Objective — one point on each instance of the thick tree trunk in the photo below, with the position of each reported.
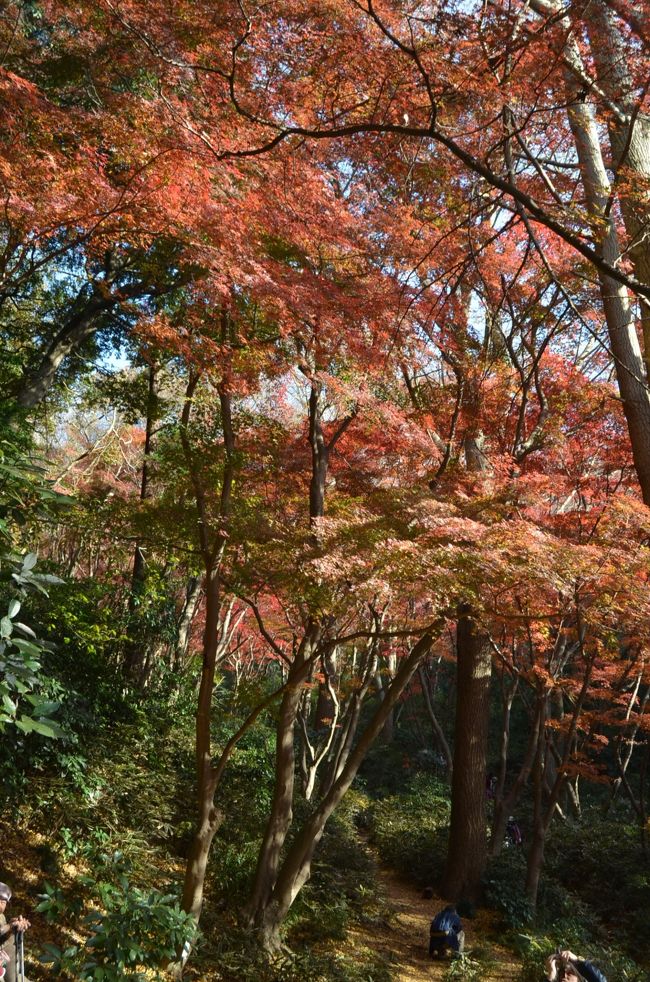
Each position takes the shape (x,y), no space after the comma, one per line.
(36,382)
(467,853)
(619,314)
(209,820)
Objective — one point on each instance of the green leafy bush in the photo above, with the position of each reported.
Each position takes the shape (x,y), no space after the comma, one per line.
(21,652)
(240,960)
(410,830)
(129,930)
(504,890)
(466,968)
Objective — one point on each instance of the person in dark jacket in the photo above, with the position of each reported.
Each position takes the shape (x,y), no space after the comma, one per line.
(564,966)
(446,932)
(513,835)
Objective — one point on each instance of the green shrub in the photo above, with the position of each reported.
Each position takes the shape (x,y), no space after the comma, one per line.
(503,885)
(129,930)
(410,830)
(239,959)
(466,968)
(596,874)
(343,887)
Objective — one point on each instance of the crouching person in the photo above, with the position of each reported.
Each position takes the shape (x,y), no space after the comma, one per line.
(564,966)
(8,931)
(446,932)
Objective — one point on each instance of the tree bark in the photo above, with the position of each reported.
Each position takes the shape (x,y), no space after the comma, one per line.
(438,731)
(184,622)
(208,817)
(467,853)
(628,359)
(135,655)
(296,868)
(319,453)
(629,137)
(388,732)
(81,325)
(281,814)
(535,858)
(619,314)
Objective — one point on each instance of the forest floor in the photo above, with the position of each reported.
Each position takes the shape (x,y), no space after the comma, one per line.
(401,938)
(404,940)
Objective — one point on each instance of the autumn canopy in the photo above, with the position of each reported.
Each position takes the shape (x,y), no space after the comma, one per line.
(325,369)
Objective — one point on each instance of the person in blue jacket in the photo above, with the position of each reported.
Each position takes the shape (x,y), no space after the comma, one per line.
(564,966)
(446,932)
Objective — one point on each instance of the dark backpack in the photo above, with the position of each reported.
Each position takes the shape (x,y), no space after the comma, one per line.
(590,973)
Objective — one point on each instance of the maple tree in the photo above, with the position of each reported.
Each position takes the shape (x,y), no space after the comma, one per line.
(384,265)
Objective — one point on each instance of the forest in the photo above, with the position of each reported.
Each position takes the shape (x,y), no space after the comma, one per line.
(324,487)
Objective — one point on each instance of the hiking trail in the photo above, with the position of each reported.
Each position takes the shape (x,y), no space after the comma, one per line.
(404,939)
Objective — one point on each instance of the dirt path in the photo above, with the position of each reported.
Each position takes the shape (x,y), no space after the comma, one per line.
(404,939)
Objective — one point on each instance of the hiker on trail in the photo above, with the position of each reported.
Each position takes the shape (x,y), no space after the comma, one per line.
(564,966)
(446,932)
(8,931)
(513,833)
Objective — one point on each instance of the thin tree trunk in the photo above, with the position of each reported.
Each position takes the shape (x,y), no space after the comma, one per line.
(296,868)
(505,805)
(135,655)
(184,623)
(388,732)
(643,817)
(281,813)
(619,314)
(544,811)
(441,739)
(623,762)
(351,719)
(208,817)
(629,137)
(319,453)
(535,858)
